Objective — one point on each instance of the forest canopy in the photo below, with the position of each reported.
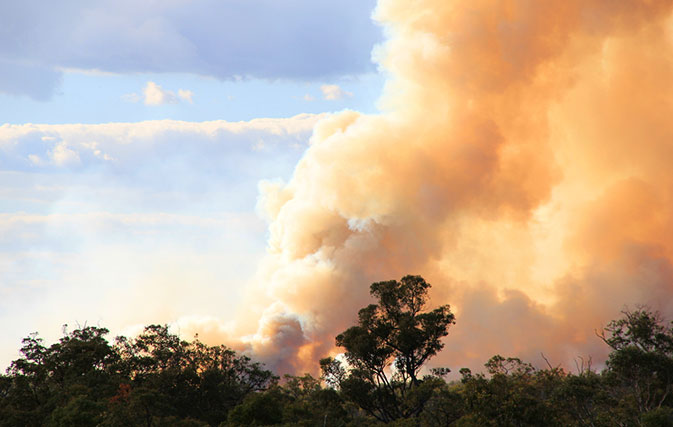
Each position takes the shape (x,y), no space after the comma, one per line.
(159,379)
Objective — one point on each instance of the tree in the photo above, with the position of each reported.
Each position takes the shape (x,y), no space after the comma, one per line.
(153,379)
(63,384)
(298,402)
(516,394)
(172,377)
(585,399)
(640,367)
(388,347)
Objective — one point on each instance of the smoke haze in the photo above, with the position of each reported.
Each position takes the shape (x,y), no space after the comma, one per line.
(521,163)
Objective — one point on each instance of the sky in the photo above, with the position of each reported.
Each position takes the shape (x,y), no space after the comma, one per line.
(133,138)
(245,169)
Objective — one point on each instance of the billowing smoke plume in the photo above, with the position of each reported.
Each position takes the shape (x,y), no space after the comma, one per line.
(521,163)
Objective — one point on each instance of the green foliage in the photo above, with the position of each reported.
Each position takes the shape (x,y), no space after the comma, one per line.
(386,349)
(259,409)
(158,379)
(300,401)
(515,394)
(80,411)
(585,400)
(660,417)
(443,408)
(640,367)
(57,383)
(154,379)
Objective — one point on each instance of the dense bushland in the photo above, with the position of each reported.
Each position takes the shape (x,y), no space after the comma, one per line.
(158,379)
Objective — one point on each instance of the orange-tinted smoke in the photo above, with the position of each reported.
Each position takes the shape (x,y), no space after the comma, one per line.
(521,163)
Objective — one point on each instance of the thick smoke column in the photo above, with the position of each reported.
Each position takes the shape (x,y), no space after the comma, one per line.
(521,164)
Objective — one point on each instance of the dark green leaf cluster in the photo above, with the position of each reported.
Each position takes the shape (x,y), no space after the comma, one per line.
(158,379)
(154,379)
(641,363)
(387,349)
(299,401)
(394,338)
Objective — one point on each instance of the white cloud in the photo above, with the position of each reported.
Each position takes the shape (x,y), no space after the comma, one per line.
(130,144)
(308,97)
(334,92)
(155,95)
(186,95)
(62,155)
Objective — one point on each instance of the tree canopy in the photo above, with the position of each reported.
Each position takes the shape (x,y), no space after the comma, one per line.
(159,379)
(148,380)
(387,348)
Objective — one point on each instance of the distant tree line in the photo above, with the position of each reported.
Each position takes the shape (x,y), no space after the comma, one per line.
(158,379)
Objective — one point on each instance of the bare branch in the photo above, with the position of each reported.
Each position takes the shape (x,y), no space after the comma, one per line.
(547,361)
